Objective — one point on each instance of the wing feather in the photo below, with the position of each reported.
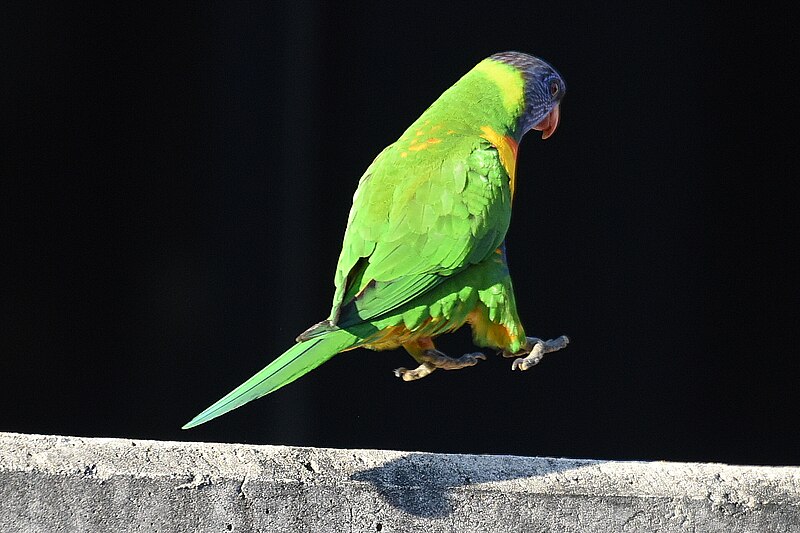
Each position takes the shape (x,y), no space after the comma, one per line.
(417,219)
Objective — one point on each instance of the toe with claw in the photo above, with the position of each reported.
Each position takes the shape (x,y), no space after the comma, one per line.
(410,375)
(431,359)
(535,350)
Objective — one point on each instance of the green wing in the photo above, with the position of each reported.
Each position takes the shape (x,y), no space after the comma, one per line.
(419,217)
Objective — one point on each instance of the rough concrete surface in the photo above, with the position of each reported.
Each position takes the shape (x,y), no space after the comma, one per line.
(52,483)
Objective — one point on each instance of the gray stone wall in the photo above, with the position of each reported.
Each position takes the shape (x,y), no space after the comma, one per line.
(52,483)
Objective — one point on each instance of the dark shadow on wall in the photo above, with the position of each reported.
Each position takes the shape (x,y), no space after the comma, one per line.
(421,484)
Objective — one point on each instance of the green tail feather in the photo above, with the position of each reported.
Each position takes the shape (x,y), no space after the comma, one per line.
(295,362)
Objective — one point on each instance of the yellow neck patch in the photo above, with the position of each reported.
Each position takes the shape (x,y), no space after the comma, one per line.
(508,79)
(507,148)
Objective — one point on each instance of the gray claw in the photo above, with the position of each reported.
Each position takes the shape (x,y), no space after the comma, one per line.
(470,359)
(536,349)
(430,360)
(410,375)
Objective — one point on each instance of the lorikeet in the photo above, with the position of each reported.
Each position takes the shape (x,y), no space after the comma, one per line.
(424,251)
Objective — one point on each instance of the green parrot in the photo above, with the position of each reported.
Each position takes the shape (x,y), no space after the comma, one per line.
(424,250)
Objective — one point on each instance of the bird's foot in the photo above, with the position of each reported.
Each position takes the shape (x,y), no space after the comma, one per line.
(535,350)
(430,360)
(440,360)
(418,373)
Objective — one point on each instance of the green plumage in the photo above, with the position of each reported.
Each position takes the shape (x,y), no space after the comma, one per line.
(421,214)
(297,361)
(455,216)
(422,252)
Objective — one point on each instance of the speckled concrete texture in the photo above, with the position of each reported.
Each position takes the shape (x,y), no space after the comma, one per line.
(52,483)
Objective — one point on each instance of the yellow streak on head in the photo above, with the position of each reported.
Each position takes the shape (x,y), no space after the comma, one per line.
(508,79)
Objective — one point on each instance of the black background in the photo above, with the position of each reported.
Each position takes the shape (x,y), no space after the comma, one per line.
(176,181)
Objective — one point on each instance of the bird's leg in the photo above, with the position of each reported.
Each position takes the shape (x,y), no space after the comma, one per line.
(429,359)
(535,350)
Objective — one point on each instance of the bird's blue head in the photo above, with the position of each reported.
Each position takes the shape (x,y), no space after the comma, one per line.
(544,89)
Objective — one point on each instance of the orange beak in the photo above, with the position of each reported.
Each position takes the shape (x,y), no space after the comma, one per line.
(549,124)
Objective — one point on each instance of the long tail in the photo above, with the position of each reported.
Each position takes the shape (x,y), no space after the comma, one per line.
(295,362)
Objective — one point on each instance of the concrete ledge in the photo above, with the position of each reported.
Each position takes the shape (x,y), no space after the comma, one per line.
(51,483)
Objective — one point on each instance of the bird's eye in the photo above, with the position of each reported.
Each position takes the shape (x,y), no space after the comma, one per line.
(554,88)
